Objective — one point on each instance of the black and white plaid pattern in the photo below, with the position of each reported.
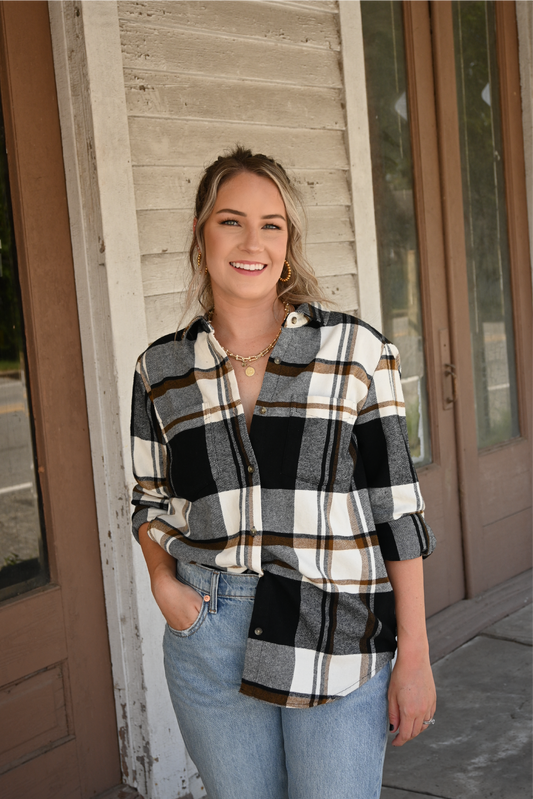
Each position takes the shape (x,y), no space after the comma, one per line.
(314,499)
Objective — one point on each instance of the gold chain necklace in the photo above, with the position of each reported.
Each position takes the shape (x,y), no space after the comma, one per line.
(249,370)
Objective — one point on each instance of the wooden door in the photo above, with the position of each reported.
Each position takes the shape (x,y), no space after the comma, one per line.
(58,735)
(412,259)
(474,470)
(439,480)
(477,87)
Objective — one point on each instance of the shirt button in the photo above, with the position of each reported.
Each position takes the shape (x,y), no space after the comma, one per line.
(258,631)
(253,530)
(277,361)
(262,410)
(251,469)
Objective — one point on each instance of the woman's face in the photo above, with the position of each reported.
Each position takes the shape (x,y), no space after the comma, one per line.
(246,239)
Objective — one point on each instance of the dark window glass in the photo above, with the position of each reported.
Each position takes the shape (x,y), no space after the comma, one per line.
(485,215)
(23,562)
(392,171)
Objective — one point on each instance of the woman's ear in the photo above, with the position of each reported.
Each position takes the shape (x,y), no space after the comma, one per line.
(195,221)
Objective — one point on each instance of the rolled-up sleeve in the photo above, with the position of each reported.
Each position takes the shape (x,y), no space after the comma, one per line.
(151,498)
(389,472)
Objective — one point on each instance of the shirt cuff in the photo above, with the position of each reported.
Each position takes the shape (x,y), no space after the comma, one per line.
(140,516)
(406,538)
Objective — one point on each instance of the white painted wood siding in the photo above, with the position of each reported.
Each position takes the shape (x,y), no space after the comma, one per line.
(202,76)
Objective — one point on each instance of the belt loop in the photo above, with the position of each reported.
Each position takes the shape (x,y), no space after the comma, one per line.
(213,602)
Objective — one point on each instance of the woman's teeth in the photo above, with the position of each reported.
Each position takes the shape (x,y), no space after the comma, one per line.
(248,267)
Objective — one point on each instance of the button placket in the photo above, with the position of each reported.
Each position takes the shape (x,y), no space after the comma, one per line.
(250,466)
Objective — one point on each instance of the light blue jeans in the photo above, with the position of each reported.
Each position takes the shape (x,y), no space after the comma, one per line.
(248,749)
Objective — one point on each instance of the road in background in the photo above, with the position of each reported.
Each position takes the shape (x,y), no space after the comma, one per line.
(19,516)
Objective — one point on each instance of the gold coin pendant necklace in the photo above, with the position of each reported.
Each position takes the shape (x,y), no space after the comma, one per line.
(245,361)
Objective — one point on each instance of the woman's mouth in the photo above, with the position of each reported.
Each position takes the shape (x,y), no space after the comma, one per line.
(248,266)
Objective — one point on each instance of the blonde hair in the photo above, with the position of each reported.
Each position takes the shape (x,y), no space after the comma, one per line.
(303,285)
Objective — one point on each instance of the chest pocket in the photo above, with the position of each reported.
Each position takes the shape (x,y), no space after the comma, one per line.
(193,467)
(318,453)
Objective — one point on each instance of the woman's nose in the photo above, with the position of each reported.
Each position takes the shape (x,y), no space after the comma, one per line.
(252,241)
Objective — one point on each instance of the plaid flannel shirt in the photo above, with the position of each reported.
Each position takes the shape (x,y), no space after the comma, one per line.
(314,499)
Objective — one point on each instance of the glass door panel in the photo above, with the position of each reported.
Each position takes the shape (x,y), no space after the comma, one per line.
(392,168)
(485,220)
(23,564)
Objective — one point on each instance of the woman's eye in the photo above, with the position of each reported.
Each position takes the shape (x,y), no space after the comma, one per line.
(235,222)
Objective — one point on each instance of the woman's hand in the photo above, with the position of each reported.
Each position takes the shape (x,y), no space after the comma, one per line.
(412,697)
(179,603)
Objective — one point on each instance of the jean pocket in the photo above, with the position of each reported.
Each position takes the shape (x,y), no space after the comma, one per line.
(197,623)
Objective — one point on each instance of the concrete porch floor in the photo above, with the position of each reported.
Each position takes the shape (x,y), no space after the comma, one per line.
(481,744)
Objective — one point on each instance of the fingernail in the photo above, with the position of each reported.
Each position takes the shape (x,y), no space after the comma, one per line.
(391,727)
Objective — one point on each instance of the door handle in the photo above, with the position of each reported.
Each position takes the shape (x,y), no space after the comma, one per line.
(449,371)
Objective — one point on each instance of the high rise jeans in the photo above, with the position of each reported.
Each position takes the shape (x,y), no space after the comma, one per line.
(248,749)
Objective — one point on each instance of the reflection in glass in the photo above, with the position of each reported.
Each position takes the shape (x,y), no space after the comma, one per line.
(487,248)
(22,558)
(392,171)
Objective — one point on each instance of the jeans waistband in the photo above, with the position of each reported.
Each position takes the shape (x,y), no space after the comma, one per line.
(213,582)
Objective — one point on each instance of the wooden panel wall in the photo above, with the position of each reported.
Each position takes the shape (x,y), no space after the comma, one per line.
(202,76)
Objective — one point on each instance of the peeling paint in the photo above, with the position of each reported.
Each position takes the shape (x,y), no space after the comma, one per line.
(124,741)
(146,761)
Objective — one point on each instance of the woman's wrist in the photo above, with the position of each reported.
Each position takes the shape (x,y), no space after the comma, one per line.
(413,649)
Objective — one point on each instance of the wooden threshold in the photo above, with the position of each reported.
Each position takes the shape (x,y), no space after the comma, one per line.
(457,624)
(125,792)
(120,792)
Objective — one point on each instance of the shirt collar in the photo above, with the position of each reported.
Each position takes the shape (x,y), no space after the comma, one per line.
(306,313)
(313,314)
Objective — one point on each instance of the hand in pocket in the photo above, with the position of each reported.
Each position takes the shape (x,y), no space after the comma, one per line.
(179,603)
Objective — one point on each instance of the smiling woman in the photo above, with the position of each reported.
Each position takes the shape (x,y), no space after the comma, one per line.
(277,507)
(302,285)
(244,258)
(252,244)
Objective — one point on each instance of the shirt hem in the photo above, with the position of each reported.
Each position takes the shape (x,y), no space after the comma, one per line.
(275,696)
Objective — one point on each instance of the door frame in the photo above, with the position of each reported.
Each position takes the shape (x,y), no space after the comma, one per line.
(73,602)
(444,577)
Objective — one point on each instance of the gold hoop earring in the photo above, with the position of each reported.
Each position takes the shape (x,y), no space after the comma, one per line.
(199,261)
(286,279)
